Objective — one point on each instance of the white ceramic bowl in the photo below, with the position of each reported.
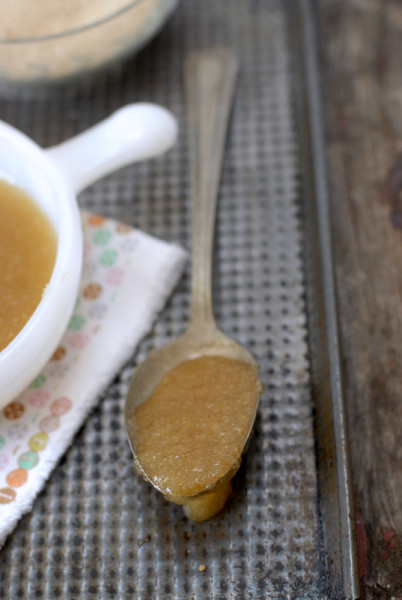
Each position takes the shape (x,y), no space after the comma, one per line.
(53,178)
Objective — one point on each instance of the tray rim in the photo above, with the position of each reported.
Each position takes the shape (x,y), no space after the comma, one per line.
(341,561)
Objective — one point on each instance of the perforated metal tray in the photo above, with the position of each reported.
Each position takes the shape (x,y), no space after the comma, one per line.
(98,530)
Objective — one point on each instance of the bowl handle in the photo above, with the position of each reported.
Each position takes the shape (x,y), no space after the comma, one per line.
(133,133)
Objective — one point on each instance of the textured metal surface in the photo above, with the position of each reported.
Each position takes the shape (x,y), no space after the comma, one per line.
(97,530)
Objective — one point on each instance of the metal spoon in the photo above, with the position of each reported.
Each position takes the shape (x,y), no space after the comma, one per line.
(210,78)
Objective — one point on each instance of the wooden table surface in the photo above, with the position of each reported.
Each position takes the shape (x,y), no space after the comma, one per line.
(361,60)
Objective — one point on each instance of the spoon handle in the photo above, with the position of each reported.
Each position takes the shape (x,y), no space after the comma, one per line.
(209,77)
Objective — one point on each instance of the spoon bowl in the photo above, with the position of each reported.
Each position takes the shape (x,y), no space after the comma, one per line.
(195,342)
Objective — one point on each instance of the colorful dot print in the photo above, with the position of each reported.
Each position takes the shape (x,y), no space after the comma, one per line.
(39,398)
(60,406)
(77,322)
(4,460)
(18,429)
(38,382)
(98,311)
(92,291)
(90,271)
(129,245)
(123,229)
(28,460)
(58,354)
(108,257)
(50,423)
(87,249)
(96,220)
(58,370)
(80,340)
(17,477)
(115,276)
(7,495)
(14,410)
(102,237)
(38,442)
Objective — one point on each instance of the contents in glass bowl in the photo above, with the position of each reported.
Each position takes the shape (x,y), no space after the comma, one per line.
(49,40)
(22,19)
(190,434)
(28,246)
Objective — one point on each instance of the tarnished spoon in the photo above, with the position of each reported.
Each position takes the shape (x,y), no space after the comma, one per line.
(209,79)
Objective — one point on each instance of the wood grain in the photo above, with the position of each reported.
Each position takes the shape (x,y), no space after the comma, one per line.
(361,61)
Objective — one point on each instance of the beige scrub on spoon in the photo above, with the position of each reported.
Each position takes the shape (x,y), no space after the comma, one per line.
(192,404)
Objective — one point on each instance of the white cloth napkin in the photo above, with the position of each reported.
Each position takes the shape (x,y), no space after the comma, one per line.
(127,277)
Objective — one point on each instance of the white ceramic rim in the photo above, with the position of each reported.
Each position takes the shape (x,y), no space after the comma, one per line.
(40,336)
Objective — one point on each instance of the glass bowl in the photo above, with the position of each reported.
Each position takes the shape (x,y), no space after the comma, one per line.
(51,41)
